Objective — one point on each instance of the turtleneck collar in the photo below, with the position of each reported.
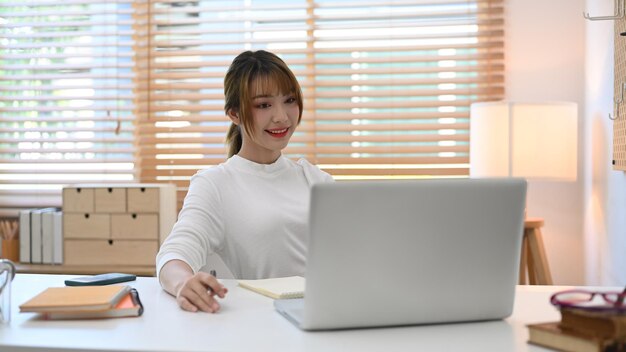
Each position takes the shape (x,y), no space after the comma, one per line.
(250,166)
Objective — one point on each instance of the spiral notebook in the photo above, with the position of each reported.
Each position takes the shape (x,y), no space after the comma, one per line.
(277,288)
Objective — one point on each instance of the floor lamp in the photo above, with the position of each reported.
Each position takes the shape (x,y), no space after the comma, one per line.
(536,141)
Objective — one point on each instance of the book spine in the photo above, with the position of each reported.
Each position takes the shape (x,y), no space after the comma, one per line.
(47,237)
(36,245)
(57,233)
(25,236)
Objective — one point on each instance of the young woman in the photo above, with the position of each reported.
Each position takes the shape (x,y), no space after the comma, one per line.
(252,209)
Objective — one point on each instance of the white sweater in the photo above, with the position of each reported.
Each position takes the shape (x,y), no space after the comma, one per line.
(253,215)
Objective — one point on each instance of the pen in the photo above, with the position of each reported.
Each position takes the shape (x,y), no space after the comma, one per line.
(214,274)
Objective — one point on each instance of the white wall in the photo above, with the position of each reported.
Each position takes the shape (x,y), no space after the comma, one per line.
(605,189)
(552,53)
(545,61)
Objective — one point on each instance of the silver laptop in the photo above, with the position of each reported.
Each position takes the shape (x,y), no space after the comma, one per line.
(385,253)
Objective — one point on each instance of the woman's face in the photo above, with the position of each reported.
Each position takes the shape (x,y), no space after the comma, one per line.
(275,117)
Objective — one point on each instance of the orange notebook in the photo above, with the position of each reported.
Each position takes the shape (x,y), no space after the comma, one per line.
(70,298)
(128,306)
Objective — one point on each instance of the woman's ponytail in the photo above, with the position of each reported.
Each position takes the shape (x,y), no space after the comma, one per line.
(233,139)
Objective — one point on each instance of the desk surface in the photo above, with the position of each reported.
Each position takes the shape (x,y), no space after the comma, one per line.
(247,321)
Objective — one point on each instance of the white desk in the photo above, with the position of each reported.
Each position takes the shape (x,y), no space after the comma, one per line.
(247,321)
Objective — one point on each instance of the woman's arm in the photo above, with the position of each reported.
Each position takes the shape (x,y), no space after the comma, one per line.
(193,292)
(197,233)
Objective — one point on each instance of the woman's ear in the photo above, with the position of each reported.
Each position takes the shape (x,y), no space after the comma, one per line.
(234,116)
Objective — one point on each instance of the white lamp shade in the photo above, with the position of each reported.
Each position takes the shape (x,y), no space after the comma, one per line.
(531,140)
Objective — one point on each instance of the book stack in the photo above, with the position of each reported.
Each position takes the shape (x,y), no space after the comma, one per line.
(41,236)
(581,330)
(85,302)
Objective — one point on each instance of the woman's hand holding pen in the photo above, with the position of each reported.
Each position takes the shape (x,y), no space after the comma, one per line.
(198,293)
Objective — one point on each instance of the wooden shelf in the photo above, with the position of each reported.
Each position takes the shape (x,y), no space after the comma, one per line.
(84,269)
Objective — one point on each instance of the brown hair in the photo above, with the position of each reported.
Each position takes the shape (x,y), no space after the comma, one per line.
(268,73)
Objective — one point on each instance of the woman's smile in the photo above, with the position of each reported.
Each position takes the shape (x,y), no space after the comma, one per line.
(278,132)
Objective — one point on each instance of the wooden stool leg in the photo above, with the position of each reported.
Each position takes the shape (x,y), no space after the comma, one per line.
(538,257)
(523,260)
(531,258)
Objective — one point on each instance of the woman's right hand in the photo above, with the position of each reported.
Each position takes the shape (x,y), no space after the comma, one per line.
(199,292)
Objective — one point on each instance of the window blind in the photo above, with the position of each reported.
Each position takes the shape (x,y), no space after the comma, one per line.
(131,90)
(66,97)
(387,84)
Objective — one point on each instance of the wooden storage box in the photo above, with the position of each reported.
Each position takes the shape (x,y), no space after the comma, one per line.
(110,252)
(78,199)
(110,200)
(134,226)
(143,200)
(86,225)
(118,225)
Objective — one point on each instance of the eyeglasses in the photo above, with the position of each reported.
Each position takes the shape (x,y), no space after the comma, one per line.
(590,300)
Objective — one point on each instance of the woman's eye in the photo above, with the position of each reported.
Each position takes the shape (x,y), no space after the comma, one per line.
(263,105)
(290,100)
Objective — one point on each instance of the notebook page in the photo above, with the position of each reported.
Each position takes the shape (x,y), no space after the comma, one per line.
(277,288)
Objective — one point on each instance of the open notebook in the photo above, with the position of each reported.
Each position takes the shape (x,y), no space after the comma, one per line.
(277,288)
